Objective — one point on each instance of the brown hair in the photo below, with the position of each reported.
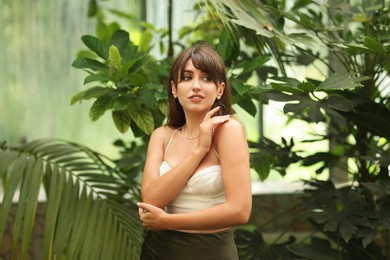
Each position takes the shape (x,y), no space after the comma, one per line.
(206,59)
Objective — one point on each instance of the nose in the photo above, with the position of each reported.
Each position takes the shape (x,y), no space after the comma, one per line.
(196,84)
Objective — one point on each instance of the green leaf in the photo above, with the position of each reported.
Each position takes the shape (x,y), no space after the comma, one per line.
(142,117)
(137,79)
(115,57)
(122,120)
(355,49)
(22,199)
(241,88)
(57,181)
(146,39)
(373,117)
(34,177)
(130,54)
(94,92)
(78,230)
(285,88)
(255,63)
(251,245)
(120,39)
(347,230)
(310,107)
(65,219)
(307,86)
(379,186)
(361,18)
(14,179)
(97,77)
(314,252)
(121,102)
(92,230)
(126,67)
(78,97)
(6,158)
(248,105)
(337,102)
(245,20)
(386,66)
(99,107)
(301,4)
(262,164)
(87,63)
(141,62)
(276,96)
(96,45)
(225,44)
(336,118)
(307,22)
(339,81)
(374,45)
(92,8)
(368,237)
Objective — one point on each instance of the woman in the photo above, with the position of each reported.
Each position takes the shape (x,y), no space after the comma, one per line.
(196,181)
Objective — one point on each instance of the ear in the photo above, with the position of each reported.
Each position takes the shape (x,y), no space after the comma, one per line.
(173,87)
(221,89)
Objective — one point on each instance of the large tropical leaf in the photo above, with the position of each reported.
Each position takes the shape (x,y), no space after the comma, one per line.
(251,245)
(90,212)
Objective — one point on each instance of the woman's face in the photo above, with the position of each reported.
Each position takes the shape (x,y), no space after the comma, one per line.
(196,91)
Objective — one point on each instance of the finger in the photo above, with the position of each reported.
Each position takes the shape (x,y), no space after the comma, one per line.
(216,121)
(144,206)
(211,113)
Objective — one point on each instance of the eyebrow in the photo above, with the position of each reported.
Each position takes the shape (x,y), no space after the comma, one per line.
(191,71)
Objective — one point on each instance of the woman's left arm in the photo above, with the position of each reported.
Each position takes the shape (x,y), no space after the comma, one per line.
(232,147)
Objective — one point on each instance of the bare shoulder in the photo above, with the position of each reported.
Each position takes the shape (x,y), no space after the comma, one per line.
(231,136)
(162,134)
(231,129)
(163,131)
(233,125)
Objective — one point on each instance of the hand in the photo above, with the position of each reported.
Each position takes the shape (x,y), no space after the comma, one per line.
(151,216)
(207,128)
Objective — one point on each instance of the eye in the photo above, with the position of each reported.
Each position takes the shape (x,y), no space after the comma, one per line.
(186,77)
(207,78)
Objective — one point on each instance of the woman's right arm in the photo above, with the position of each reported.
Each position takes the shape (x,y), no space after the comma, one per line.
(161,190)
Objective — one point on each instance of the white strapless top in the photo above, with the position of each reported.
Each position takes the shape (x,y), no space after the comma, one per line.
(203,190)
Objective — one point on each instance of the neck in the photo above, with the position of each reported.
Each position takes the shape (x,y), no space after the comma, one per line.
(193,120)
(188,133)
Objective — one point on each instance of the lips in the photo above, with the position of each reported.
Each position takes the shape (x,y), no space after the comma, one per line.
(196,97)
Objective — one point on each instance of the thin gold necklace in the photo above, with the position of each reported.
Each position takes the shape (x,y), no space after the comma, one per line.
(188,137)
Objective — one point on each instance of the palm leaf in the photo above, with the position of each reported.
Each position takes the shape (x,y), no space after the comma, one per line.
(87,214)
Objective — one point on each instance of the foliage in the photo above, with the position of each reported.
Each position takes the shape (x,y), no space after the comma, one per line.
(350,96)
(129,82)
(251,245)
(350,216)
(90,207)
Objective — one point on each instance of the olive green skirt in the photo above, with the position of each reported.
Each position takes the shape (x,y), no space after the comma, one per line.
(176,245)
